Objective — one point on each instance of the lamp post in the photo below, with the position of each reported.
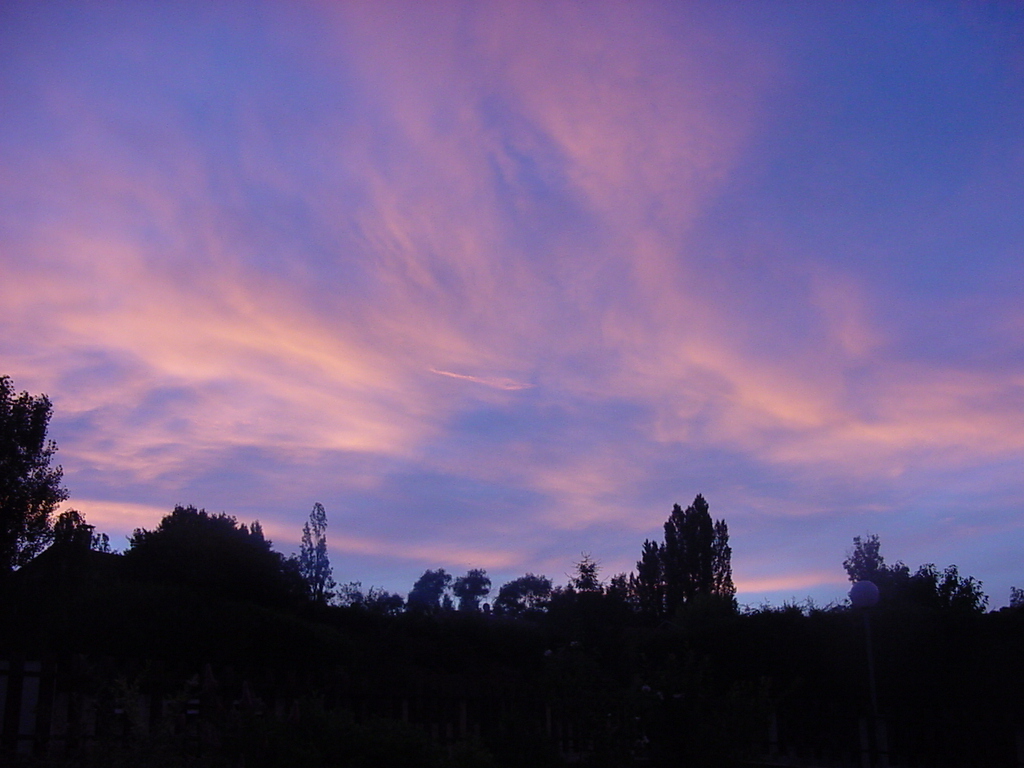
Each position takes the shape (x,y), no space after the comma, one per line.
(864,596)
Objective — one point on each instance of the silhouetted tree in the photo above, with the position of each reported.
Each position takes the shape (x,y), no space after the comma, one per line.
(865,562)
(619,589)
(71,530)
(1016,597)
(648,583)
(375,600)
(471,588)
(721,563)
(947,590)
(214,554)
(527,593)
(379,600)
(314,565)
(350,594)
(927,587)
(696,558)
(429,590)
(30,488)
(586,578)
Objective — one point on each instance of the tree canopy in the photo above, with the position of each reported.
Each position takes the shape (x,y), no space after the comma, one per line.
(471,588)
(927,587)
(429,590)
(587,578)
(697,559)
(526,593)
(694,560)
(214,554)
(72,530)
(314,564)
(30,487)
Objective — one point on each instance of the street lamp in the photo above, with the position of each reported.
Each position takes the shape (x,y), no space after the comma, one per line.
(864,596)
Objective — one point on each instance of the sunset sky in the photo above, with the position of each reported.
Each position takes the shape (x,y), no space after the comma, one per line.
(498,283)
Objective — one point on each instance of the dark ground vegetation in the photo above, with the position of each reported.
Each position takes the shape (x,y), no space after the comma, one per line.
(203,646)
(279,679)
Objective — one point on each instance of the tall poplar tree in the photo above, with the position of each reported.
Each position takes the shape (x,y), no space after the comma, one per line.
(694,560)
(314,564)
(721,562)
(648,583)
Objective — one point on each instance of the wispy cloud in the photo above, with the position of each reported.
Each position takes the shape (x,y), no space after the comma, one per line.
(497,382)
(241,265)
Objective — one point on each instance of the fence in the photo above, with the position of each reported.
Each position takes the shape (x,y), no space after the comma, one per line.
(66,707)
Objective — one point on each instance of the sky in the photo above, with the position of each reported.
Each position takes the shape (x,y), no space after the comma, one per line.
(499,283)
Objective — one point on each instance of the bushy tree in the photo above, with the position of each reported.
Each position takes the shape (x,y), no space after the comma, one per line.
(314,564)
(71,530)
(865,562)
(927,587)
(379,600)
(374,600)
(214,555)
(947,589)
(527,593)
(350,594)
(471,588)
(30,488)
(428,593)
(1016,597)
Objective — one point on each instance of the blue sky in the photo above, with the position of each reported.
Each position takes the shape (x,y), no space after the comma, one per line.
(500,284)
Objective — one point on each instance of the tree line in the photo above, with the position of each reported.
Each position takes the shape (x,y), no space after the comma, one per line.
(692,563)
(658,666)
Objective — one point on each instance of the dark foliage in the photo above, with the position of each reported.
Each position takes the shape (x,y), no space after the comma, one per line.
(72,530)
(471,589)
(648,583)
(214,555)
(314,564)
(926,588)
(587,577)
(696,557)
(656,669)
(694,563)
(428,593)
(529,593)
(586,680)
(375,599)
(30,488)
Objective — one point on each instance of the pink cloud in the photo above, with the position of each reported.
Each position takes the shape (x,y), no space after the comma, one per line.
(505,196)
(796,582)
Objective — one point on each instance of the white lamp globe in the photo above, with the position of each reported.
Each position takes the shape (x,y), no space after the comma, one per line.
(864,594)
